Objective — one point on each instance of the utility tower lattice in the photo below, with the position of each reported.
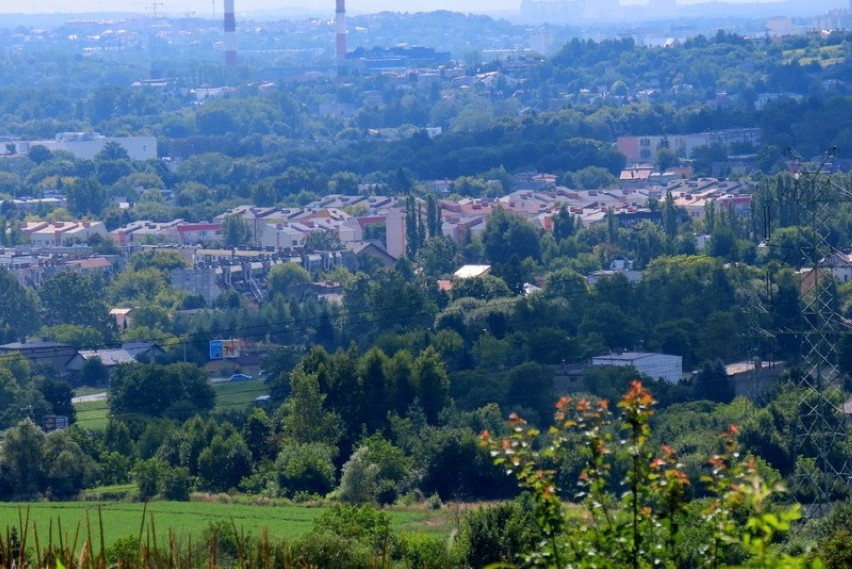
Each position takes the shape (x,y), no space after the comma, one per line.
(820,426)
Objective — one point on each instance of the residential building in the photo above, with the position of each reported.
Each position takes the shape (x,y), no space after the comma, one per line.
(145,231)
(110,358)
(199,233)
(49,355)
(144,352)
(281,237)
(122,317)
(62,233)
(643,149)
(472,271)
(202,281)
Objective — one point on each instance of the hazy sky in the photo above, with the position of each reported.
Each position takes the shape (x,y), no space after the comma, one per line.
(207,7)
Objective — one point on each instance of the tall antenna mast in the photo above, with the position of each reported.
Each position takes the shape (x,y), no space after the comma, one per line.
(820,425)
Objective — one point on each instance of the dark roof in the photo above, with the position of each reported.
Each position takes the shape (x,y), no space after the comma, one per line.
(37,345)
(136,348)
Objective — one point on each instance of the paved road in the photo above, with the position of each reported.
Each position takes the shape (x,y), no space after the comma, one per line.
(93,397)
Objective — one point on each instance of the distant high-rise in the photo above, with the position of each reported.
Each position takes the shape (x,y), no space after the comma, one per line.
(340,23)
(230,34)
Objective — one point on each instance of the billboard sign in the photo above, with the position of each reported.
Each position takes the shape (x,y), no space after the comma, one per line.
(224,349)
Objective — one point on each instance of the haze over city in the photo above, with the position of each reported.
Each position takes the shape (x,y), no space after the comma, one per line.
(204,7)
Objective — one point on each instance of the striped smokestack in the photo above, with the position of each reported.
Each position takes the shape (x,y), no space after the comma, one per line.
(230,34)
(340,21)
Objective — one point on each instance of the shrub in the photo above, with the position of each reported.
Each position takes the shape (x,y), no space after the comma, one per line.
(640,527)
(124,552)
(422,552)
(324,549)
(358,481)
(363,523)
(175,483)
(305,468)
(497,534)
(146,473)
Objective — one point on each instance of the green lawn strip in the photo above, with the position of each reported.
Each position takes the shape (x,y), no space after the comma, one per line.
(238,394)
(184,519)
(92,414)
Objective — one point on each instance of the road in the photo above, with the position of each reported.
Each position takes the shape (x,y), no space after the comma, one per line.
(87,398)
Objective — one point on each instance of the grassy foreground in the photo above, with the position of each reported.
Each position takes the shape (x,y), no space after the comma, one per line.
(185,519)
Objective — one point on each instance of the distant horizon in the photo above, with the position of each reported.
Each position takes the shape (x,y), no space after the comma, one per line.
(210,8)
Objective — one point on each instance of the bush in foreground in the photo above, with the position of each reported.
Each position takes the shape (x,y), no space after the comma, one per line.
(643,526)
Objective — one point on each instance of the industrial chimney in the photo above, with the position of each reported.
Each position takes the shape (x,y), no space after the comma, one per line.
(230,34)
(340,21)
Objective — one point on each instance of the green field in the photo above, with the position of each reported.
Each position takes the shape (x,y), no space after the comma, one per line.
(826,55)
(238,395)
(229,396)
(92,414)
(187,519)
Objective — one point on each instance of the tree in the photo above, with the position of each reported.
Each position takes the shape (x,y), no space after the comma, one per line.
(485,287)
(358,479)
(593,178)
(147,475)
(164,260)
(225,462)
(86,196)
(433,217)
(174,484)
(665,158)
(257,434)
(413,222)
(57,393)
(432,382)
(109,172)
(323,240)
(712,383)
(69,298)
(564,224)
(67,468)
(303,416)
(285,278)
(345,183)
(506,235)
(18,309)
(235,231)
(439,256)
(305,469)
(175,390)
(39,154)
(112,150)
(94,372)
(497,534)
(23,459)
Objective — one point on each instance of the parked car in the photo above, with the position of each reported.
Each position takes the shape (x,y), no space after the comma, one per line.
(241,377)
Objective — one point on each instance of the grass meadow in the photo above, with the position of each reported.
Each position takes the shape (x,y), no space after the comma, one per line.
(187,520)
